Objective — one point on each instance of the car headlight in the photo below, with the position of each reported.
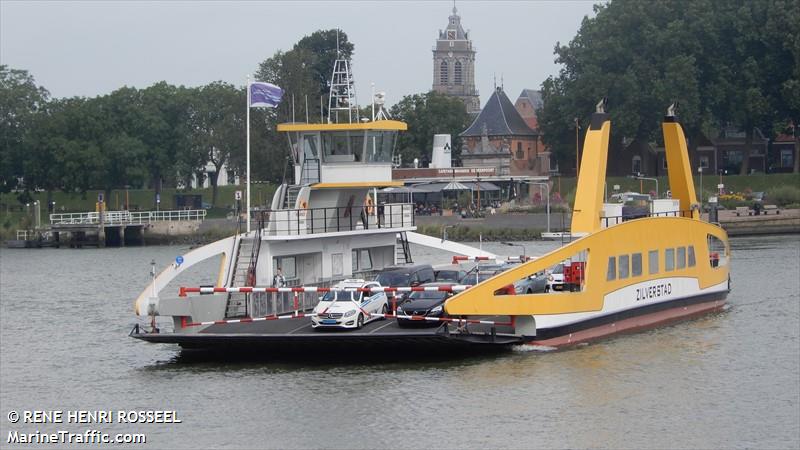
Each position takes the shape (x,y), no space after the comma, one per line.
(550,278)
(350,313)
(436,310)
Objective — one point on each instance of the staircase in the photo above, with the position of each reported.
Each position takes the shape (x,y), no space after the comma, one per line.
(402,249)
(291,196)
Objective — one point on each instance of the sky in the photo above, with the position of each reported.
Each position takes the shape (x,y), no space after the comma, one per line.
(89,48)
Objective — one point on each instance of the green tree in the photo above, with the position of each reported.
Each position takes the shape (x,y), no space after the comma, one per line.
(428,114)
(217,120)
(20,100)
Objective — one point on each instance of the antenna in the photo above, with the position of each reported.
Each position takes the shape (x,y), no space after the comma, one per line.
(494,75)
(337,43)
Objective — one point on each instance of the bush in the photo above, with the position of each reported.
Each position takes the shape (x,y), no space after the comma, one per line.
(783,195)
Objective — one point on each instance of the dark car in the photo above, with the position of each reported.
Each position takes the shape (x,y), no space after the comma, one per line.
(424,303)
(402,276)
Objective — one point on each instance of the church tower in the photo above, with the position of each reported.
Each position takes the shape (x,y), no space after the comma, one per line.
(454,64)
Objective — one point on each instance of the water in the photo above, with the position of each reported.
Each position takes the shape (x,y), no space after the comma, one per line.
(726,380)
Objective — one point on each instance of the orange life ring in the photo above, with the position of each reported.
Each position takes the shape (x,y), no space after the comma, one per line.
(369,205)
(303,204)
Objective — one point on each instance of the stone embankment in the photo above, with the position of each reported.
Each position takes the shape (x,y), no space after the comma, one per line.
(787,221)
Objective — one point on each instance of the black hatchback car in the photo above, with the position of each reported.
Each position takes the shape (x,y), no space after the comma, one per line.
(424,303)
(402,276)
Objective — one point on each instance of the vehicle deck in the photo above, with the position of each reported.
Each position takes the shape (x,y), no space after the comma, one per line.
(294,333)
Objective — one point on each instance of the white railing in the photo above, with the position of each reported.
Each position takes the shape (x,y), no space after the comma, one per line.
(126,217)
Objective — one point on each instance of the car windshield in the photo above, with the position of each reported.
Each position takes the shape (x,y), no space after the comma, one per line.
(393,279)
(341,296)
(482,276)
(559,269)
(428,295)
(447,275)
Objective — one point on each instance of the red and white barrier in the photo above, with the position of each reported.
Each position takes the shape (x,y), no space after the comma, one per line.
(461,258)
(247,320)
(458,258)
(457,321)
(316,289)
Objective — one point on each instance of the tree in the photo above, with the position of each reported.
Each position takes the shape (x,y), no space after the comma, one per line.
(305,72)
(217,121)
(20,100)
(428,114)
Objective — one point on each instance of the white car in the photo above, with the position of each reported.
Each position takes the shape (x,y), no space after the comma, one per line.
(555,281)
(342,308)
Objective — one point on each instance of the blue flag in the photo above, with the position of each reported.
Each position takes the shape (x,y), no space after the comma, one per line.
(264,95)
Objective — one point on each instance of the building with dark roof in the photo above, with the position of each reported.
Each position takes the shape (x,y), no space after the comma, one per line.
(499,137)
(528,102)
(454,64)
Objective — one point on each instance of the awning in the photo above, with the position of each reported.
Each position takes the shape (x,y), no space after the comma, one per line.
(455,186)
(466,186)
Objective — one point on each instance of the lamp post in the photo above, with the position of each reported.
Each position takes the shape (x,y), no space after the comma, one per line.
(639,176)
(577,148)
(700,171)
(547,185)
(721,186)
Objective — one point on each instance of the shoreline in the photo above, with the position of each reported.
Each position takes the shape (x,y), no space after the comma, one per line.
(500,227)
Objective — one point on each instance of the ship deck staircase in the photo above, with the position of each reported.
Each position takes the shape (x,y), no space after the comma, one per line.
(402,249)
(290,198)
(244,271)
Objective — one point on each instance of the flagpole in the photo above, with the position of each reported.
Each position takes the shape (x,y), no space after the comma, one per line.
(248,153)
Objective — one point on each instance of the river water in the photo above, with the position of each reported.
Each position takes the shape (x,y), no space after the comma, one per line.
(730,379)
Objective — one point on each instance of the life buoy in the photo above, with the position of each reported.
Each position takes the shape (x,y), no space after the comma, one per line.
(369,206)
(303,204)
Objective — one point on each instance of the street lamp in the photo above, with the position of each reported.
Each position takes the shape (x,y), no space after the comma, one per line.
(720,185)
(547,185)
(639,176)
(700,171)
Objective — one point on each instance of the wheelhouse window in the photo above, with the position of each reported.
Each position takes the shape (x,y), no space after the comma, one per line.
(379,146)
(652,262)
(624,266)
(669,259)
(636,264)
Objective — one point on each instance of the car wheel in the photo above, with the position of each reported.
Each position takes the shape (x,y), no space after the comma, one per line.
(529,291)
(385,309)
(360,321)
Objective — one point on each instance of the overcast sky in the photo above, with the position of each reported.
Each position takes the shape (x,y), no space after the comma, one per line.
(90,48)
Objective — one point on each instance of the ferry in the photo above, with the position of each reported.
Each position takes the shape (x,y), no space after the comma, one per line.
(620,273)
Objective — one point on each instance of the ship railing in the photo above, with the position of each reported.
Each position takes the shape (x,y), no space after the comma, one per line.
(294,222)
(616,220)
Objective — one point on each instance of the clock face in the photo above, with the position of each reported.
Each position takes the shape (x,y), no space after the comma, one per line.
(451,34)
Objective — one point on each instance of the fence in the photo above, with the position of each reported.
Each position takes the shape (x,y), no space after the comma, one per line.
(126,217)
(338,219)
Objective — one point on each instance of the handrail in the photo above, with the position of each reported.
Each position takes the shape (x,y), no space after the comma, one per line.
(339,218)
(126,217)
(615,220)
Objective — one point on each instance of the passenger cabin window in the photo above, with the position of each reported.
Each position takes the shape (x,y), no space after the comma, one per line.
(624,266)
(681,261)
(692,261)
(653,261)
(611,275)
(669,259)
(717,252)
(636,264)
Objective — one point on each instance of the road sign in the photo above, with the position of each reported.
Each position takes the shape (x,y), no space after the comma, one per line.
(179,260)
(100,197)
(158,198)
(238,195)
